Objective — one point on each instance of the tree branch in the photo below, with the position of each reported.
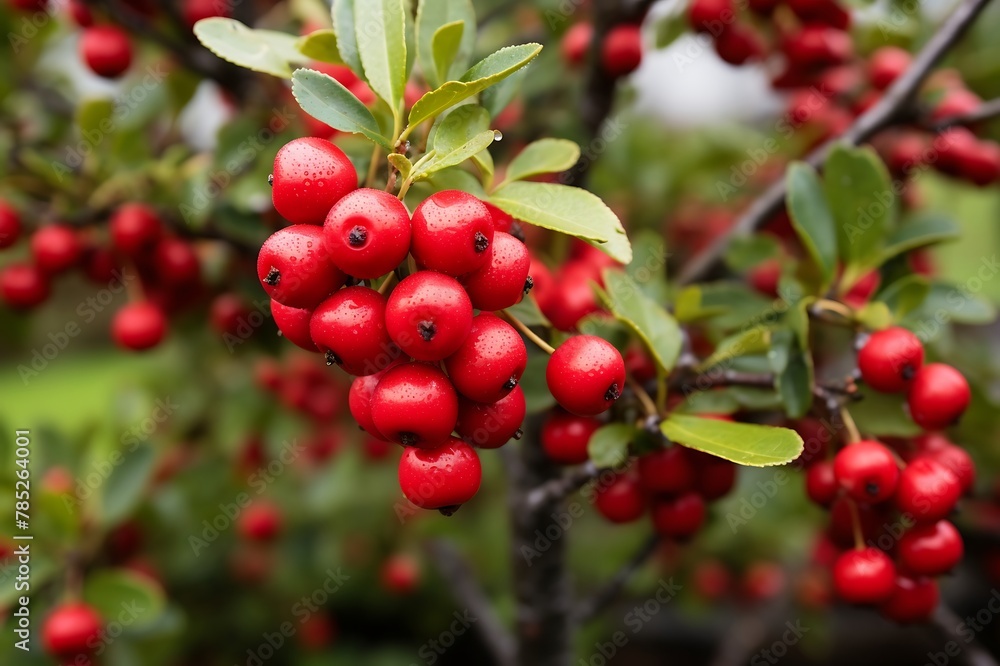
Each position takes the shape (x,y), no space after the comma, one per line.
(892,106)
(949,623)
(559,488)
(590,608)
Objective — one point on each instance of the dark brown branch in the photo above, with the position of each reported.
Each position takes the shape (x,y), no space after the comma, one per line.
(949,624)
(986,111)
(563,486)
(590,608)
(894,105)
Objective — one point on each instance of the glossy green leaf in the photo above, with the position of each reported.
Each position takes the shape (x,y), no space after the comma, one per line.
(347,38)
(874,316)
(859,192)
(543,156)
(905,295)
(741,443)
(812,220)
(747,252)
(608,446)
(321,45)
(125,487)
(528,312)
(326,99)
(455,155)
(401,164)
(755,340)
(883,415)
(949,304)
(793,371)
(536,390)
(922,231)
(121,594)
(657,329)
(432,15)
(266,51)
(445,45)
(380,26)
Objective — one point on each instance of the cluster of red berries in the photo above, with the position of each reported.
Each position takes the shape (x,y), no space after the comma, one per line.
(620,53)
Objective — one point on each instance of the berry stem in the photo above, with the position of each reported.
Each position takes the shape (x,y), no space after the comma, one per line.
(373,166)
(853,435)
(528,333)
(386,285)
(662,388)
(859,539)
(826,305)
(647,402)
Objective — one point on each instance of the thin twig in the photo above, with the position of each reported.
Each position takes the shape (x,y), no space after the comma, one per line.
(527,332)
(590,608)
(561,487)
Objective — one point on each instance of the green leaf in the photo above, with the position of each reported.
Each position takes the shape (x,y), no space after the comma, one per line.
(125,487)
(326,99)
(498,97)
(445,44)
(655,327)
(756,340)
(922,231)
(266,51)
(905,295)
(568,210)
(608,446)
(947,303)
(741,443)
(347,39)
(92,113)
(381,32)
(401,164)
(482,75)
(812,220)
(874,315)
(793,371)
(883,415)
(320,45)
(432,15)
(536,390)
(462,134)
(455,155)
(118,594)
(543,156)
(859,192)
(747,252)
(528,312)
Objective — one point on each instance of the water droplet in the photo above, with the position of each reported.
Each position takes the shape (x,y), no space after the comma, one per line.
(497,135)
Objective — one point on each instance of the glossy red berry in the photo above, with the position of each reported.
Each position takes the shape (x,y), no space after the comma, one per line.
(56,248)
(824,12)
(867,471)
(134,229)
(415,404)
(739,43)
(864,576)
(261,521)
(107,50)
(565,437)
(367,233)
(886,65)
(400,574)
(441,478)
(927,490)
(490,362)
(29,5)
(818,46)
(958,461)
(491,426)
(571,298)
(452,233)
(912,600)
(938,396)
(349,327)
(227,314)
(176,262)
(193,11)
(295,269)
(821,483)
(576,42)
(670,471)
(621,500)
(956,102)
(293,323)
(678,517)
(359,401)
(23,286)
(585,375)
(310,176)
(890,359)
(138,326)
(621,52)
(503,281)
(931,549)
(710,15)
(10,225)
(429,315)
(72,629)
(714,477)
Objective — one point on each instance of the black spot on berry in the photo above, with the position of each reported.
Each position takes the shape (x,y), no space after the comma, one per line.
(448,511)
(510,383)
(270,179)
(518,434)
(357,236)
(613,392)
(331,358)
(908,372)
(273,277)
(871,488)
(482,242)
(427,330)
(408,438)
(528,284)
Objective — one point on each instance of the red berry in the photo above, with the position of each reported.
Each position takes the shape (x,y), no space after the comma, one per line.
(585,375)
(958,461)
(890,359)
(491,426)
(565,437)
(310,175)
(176,262)
(29,5)
(927,490)
(490,362)
(864,576)
(261,521)
(826,12)
(452,233)
(56,248)
(503,281)
(714,477)
(415,404)
(227,313)
(571,298)
(669,470)
(738,44)
(932,549)
(429,315)
(622,500)
(912,600)
(938,396)
(349,327)
(80,13)
(886,65)
(193,11)
(818,46)
(294,325)
(72,629)
(23,286)
(294,268)
(134,229)
(441,478)
(710,15)
(107,50)
(867,471)
(621,52)
(138,326)
(400,574)
(907,152)
(359,401)
(10,225)
(367,233)
(958,102)
(576,43)
(765,276)
(821,483)
(678,517)
(501,221)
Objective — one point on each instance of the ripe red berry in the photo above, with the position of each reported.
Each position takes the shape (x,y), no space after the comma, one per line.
(867,471)
(826,12)
(927,490)
(503,281)
(56,248)
(818,46)
(621,52)
(71,629)
(134,229)
(576,42)
(710,15)
(490,362)
(621,500)
(400,574)
(585,375)
(678,517)
(367,233)
(193,11)
(958,461)
(670,470)
(310,175)
(491,426)
(931,550)
(293,323)
(80,13)
(359,401)
(10,225)
(415,404)
(938,396)
(429,315)
(261,521)
(565,437)
(571,298)
(23,286)
(714,477)
(29,5)
(176,262)
(890,359)
(887,64)
(738,44)
(452,233)
(349,327)
(295,269)
(227,313)
(821,483)
(441,478)
(912,600)
(107,50)
(138,326)
(957,102)
(864,576)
